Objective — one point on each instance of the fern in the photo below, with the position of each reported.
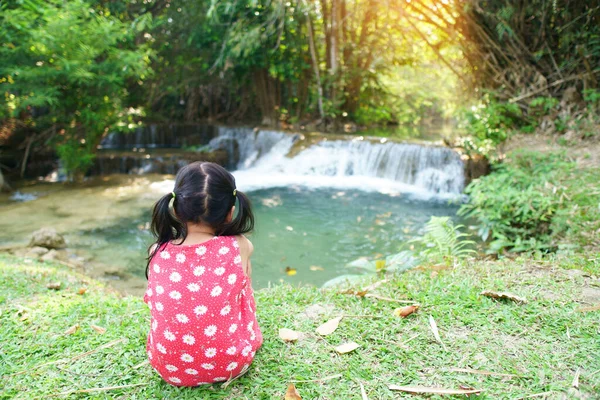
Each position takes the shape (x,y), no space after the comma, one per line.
(443,241)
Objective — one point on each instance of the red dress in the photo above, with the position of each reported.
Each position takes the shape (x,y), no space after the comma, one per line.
(203,325)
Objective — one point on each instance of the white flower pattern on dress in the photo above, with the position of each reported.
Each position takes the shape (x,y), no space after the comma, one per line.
(188,339)
(211,352)
(199,270)
(224,250)
(225,310)
(200,305)
(217,290)
(187,358)
(210,330)
(182,318)
(200,310)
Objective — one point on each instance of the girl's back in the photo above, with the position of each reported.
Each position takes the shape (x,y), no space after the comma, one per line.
(203,327)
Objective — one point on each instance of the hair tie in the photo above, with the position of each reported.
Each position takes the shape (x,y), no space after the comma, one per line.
(234,192)
(173,193)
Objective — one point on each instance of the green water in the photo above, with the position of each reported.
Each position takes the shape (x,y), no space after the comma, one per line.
(314,232)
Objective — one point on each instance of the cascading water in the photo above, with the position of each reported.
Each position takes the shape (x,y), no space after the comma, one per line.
(261,159)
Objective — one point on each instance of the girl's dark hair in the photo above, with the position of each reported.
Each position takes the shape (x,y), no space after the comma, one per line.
(204,192)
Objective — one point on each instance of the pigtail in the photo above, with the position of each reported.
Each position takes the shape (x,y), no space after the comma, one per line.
(243,221)
(165,227)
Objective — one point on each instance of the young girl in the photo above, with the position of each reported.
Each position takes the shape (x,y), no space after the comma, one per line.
(203,325)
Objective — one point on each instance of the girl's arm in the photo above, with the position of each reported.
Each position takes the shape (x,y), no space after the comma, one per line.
(246,250)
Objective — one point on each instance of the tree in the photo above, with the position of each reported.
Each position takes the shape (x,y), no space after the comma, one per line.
(65,72)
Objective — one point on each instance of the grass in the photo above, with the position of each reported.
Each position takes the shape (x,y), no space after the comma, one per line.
(544,342)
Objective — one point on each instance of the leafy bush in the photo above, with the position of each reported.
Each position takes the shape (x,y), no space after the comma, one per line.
(488,124)
(517,205)
(443,241)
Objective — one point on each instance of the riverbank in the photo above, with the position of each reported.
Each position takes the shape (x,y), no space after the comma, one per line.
(54,344)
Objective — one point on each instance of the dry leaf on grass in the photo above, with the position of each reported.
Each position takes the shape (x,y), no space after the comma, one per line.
(82,291)
(433,390)
(503,296)
(588,309)
(288,335)
(406,311)
(72,330)
(53,285)
(329,327)
(436,332)
(98,329)
(292,393)
(347,347)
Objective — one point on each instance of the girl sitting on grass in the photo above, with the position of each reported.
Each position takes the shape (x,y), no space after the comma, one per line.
(203,325)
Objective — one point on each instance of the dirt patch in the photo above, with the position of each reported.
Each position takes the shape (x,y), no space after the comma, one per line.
(586,152)
(591,295)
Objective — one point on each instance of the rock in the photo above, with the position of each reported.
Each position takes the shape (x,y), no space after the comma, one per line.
(51,255)
(48,238)
(32,252)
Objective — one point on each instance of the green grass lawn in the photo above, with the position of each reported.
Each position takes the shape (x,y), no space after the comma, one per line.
(545,343)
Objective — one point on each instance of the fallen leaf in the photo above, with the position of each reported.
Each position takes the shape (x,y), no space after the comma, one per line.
(347,347)
(591,308)
(316,268)
(82,291)
(291,271)
(53,285)
(329,327)
(436,332)
(98,329)
(292,393)
(503,296)
(358,293)
(406,311)
(71,330)
(433,390)
(289,228)
(363,393)
(288,335)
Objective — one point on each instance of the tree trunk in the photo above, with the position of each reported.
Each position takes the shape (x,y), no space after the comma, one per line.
(315,63)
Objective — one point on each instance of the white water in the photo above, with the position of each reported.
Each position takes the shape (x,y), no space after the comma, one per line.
(262,162)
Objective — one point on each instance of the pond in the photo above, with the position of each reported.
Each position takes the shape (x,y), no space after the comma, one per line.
(315,212)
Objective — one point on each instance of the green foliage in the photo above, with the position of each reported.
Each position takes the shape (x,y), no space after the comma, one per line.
(517,205)
(443,241)
(488,124)
(68,65)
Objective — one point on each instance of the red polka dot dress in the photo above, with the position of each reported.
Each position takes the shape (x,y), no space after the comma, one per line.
(203,325)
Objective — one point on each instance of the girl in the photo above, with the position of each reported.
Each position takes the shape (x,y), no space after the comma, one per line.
(203,325)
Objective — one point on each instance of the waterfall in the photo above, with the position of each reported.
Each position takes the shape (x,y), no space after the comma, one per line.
(261,159)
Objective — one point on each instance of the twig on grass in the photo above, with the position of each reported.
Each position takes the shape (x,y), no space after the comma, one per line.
(481,372)
(75,373)
(378,297)
(327,378)
(531,396)
(100,389)
(224,386)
